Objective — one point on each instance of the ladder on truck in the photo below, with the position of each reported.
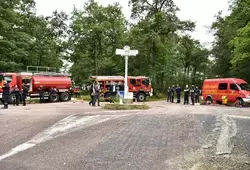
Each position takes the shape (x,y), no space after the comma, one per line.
(45,71)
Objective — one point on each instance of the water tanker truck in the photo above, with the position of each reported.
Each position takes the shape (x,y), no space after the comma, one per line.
(34,81)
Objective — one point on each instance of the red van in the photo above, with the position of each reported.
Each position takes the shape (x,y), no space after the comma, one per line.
(234,88)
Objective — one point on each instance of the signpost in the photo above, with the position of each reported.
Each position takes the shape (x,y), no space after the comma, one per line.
(126,52)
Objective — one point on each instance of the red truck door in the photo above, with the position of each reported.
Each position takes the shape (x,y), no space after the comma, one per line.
(233,92)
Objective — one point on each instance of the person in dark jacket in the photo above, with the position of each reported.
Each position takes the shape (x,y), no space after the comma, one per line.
(169,94)
(16,92)
(172,94)
(197,95)
(178,94)
(112,91)
(96,91)
(186,95)
(41,94)
(6,93)
(24,94)
(192,93)
(91,94)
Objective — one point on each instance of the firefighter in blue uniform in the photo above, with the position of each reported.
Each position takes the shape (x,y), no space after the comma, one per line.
(169,94)
(16,92)
(6,93)
(172,94)
(186,95)
(197,95)
(178,94)
(192,93)
(24,94)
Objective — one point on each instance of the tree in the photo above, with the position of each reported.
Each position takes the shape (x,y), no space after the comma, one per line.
(241,54)
(155,35)
(96,32)
(27,39)
(14,41)
(225,30)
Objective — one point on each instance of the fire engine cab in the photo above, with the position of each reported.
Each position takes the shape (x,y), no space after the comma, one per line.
(140,86)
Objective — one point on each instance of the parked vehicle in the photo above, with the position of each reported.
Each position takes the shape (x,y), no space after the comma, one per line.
(140,86)
(61,82)
(233,88)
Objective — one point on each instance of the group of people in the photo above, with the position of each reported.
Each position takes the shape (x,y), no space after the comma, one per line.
(18,95)
(193,92)
(95,92)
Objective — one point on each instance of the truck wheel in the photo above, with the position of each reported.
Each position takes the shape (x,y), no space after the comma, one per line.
(241,102)
(141,97)
(54,97)
(64,96)
(11,98)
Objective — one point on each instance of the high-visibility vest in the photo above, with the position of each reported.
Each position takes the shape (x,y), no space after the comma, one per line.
(224,99)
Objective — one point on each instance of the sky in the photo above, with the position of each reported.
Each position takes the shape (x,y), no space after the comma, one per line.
(200,11)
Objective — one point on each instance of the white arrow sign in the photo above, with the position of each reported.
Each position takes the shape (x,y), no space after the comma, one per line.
(126,53)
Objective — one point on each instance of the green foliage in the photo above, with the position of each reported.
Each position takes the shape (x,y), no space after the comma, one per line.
(166,53)
(232,41)
(96,33)
(126,107)
(241,54)
(27,39)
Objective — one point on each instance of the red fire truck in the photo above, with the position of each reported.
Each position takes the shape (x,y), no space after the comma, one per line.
(61,82)
(139,85)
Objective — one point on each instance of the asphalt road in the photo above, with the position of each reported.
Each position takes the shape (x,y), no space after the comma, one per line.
(75,136)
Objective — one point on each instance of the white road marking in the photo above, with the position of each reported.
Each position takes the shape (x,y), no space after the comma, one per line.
(64,126)
(239,117)
(228,130)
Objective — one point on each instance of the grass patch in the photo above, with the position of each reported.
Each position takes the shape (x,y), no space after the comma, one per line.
(126,107)
(88,98)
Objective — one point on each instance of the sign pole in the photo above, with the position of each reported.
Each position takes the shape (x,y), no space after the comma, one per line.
(126,77)
(126,52)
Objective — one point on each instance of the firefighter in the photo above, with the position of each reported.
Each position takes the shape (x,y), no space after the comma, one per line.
(192,93)
(197,95)
(169,94)
(186,95)
(91,94)
(112,92)
(41,94)
(97,93)
(53,91)
(6,92)
(24,94)
(16,92)
(172,94)
(178,93)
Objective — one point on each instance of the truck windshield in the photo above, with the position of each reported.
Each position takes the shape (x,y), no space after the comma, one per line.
(146,82)
(244,86)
